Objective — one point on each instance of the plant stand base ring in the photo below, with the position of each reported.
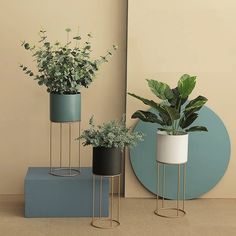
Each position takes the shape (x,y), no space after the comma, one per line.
(178,212)
(110,223)
(71,172)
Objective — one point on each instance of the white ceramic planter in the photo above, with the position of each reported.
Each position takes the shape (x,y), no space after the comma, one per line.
(172,149)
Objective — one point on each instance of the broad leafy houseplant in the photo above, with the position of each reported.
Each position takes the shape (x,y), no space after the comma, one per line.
(108,140)
(175,114)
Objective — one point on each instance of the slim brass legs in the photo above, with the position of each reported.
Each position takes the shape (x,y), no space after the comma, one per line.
(97,220)
(65,171)
(167,211)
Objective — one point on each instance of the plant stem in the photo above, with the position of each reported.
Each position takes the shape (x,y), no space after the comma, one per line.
(77,41)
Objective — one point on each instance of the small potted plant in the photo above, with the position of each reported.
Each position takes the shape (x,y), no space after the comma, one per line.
(108,141)
(175,114)
(64,69)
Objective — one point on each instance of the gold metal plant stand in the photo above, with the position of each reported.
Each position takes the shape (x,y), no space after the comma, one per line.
(64,171)
(174,212)
(110,221)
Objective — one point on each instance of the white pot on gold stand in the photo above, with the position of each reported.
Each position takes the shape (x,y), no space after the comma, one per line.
(171,150)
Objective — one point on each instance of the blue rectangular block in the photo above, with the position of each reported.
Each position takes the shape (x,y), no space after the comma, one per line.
(51,196)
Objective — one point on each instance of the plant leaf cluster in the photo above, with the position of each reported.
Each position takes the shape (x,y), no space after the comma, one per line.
(63,69)
(113,134)
(175,113)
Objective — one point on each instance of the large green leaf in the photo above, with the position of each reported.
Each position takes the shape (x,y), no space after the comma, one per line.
(165,117)
(161,90)
(186,85)
(162,112)
(147,116)
(196,103)
(187,121)
(173,113)
(196,128)
(177,101)
(150,103)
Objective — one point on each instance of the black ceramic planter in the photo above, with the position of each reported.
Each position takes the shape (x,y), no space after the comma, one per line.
(65,107)
(106,161)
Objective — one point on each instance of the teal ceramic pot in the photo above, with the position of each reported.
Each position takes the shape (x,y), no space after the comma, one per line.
(65,107)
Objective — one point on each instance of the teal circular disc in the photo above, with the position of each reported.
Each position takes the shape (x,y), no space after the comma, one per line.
(208,159)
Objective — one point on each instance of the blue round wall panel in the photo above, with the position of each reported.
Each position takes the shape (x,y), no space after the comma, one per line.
(209,154)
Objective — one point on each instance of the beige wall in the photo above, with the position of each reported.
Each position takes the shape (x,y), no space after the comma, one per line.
(169,38)
(24,117)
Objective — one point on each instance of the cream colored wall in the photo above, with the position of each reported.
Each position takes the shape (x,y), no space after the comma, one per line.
(24,117)
(169,38)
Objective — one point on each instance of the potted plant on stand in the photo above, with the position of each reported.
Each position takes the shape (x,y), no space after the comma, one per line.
(108,141)
(64,69)
(175,114)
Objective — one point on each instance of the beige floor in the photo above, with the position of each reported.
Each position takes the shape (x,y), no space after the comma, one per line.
(212,217)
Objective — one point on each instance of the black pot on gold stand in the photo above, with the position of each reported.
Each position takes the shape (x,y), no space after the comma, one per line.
(106,164)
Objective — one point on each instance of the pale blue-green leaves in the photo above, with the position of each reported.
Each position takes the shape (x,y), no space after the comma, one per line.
(113,134)
(63,68)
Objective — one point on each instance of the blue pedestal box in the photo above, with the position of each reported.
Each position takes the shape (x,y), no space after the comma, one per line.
(51,196)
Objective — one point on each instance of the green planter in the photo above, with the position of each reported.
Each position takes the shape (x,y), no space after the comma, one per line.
(65,107)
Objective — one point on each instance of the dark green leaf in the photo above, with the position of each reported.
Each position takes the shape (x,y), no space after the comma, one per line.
(187,121)
(173,113)
(196,128)
(186,85)
(40,82)
(196,103)
(162,112)
(177,100)
(160,89)
(165,117)
(150,103)
(147,116)
(77,38)
(47,44)
(27,46)
(88,47)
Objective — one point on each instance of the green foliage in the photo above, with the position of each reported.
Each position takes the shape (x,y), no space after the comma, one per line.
(160,89)
(62,68)
(186,85)
(111,134)
(173,114)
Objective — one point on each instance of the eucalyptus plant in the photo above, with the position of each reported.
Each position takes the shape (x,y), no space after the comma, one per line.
(113,134)
(64,68)
(175,113)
